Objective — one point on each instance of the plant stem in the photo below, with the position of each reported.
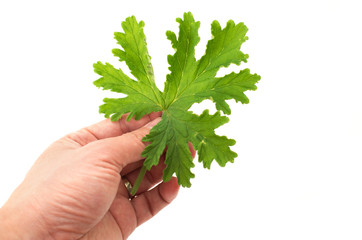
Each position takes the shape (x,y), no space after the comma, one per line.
(138,180)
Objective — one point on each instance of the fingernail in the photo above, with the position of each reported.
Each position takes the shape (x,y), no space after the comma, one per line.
(153,122)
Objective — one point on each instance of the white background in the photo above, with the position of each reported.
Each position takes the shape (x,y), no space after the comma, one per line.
(298,174)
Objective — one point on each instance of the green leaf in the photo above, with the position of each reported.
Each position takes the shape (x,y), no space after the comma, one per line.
(221,51)
(176,129)
(189,81)
(143,95)
(183,62)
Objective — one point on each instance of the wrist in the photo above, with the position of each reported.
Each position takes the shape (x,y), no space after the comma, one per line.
(6,230)
(20,224)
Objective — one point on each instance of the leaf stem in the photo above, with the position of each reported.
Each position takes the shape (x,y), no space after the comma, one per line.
(138,180)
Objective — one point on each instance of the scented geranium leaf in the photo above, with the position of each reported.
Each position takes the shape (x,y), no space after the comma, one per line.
(189,81)
(183,62)
(231,86)
(135,53)
(202,134)
(115,107)
(158,137)
(143,95)
(115,80)
(170,134)
(178,161)
(176,129)
(215,147)
(221,51)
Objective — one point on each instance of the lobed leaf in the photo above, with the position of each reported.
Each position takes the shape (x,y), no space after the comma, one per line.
(189,81)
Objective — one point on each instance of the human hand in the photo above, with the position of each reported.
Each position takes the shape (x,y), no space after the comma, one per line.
(75,190)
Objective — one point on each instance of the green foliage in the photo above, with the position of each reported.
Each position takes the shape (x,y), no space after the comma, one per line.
(190,81)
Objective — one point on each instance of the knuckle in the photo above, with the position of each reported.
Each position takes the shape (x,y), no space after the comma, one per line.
(137,136)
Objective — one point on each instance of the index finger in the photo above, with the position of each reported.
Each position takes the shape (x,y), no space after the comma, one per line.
(108,129)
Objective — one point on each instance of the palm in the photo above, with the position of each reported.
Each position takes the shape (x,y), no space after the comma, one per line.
(124,215)
(112,213)
(113,224)
(80,188)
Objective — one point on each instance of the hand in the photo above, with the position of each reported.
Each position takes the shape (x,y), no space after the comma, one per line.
(75,190)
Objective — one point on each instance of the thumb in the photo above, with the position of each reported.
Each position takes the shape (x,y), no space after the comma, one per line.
(127,148)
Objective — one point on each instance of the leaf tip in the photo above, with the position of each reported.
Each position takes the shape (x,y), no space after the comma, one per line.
(119,53)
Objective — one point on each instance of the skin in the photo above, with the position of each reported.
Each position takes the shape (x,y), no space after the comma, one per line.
(75,190)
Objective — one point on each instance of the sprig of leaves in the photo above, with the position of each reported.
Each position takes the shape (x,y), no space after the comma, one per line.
(190,81)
